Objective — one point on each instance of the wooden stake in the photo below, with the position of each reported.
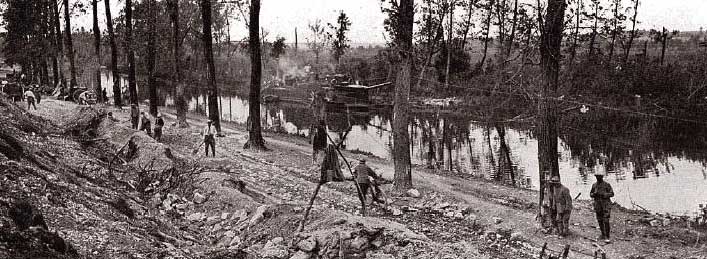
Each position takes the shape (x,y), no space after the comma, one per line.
(566,252)
(358,188)
(309,207)
(542,251)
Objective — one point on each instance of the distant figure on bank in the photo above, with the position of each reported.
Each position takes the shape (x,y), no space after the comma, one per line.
(38,95)
(29,96)
(601,193)
(563,205)
(105,95)
(209,140)
(319,140)
(146,124)
(361,174)
(134,115)
(159,123)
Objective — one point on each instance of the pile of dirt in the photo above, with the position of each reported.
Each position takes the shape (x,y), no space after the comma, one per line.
(62,179)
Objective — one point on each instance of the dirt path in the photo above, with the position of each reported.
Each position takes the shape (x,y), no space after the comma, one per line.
(285,174)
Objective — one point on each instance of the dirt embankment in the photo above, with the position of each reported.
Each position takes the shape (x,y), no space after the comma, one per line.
(82,185)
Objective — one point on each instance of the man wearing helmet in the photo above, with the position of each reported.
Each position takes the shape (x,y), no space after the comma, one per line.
(601,193)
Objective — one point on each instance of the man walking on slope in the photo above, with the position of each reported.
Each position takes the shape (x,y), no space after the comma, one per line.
(601,193)
(209,140)
(563,205)
(361,174)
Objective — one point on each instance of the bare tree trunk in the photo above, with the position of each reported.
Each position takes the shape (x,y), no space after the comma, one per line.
(449,43)
(207,39)
(179,101)
(53,43)
(97,45)
(59,44)
(152,57)
(511,37)
(664,43)
(117,93)
(578,14)
(550,55)
(615,30)
(488,33)
(401,120)
(595,28)
(132,85)
(69,44)
(633,32)
(255,137)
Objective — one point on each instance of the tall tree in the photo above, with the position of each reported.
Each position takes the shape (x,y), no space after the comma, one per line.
(339,40)
(97,46)
(632,36)
(450,32)
(152,56)
(179,99)
(401,119)
(59,43)
(596,6)
(550,55)
(132,85)
(55,48)
(117,93)
(207,39)
(617,27)
(255,137)
(69,44)
(486,32)
(579,8)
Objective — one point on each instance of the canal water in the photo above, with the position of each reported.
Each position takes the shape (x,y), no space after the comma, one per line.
(661,169)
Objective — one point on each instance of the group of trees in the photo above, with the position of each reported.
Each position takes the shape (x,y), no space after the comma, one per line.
(153,46)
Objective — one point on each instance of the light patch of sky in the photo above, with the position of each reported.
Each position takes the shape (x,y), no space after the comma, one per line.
(280,17)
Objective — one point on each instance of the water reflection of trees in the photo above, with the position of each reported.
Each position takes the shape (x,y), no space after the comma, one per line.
(616,140)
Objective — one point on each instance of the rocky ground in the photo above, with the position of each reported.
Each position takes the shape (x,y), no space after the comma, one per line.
(77,182)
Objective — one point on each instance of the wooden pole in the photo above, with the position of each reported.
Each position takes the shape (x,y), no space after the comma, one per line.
(358,188)
(542,251)
(309,207)
(566,251)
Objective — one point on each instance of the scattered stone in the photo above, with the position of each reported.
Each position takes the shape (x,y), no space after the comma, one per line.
(396,211)
(516,236)
(409,209)
(656,223)
(274,249)
(458,215)
(216,228)
(301,255)
(497,220)
(199,198)
(181,206)
(259,215)
(339,221)
(413,193)
(359,244)
(212,220)
(666,222)
(229,234)
(235,241)
(307,245)
(196,216)
(224,215)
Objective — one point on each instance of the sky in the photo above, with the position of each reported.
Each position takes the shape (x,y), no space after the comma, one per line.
(280,17)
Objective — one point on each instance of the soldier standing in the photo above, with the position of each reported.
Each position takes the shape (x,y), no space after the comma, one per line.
(601,193)
(563,205)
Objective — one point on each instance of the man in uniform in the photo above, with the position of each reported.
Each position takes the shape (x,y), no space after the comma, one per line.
(209,140)
(563,205)
(362,173)
(601,193)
